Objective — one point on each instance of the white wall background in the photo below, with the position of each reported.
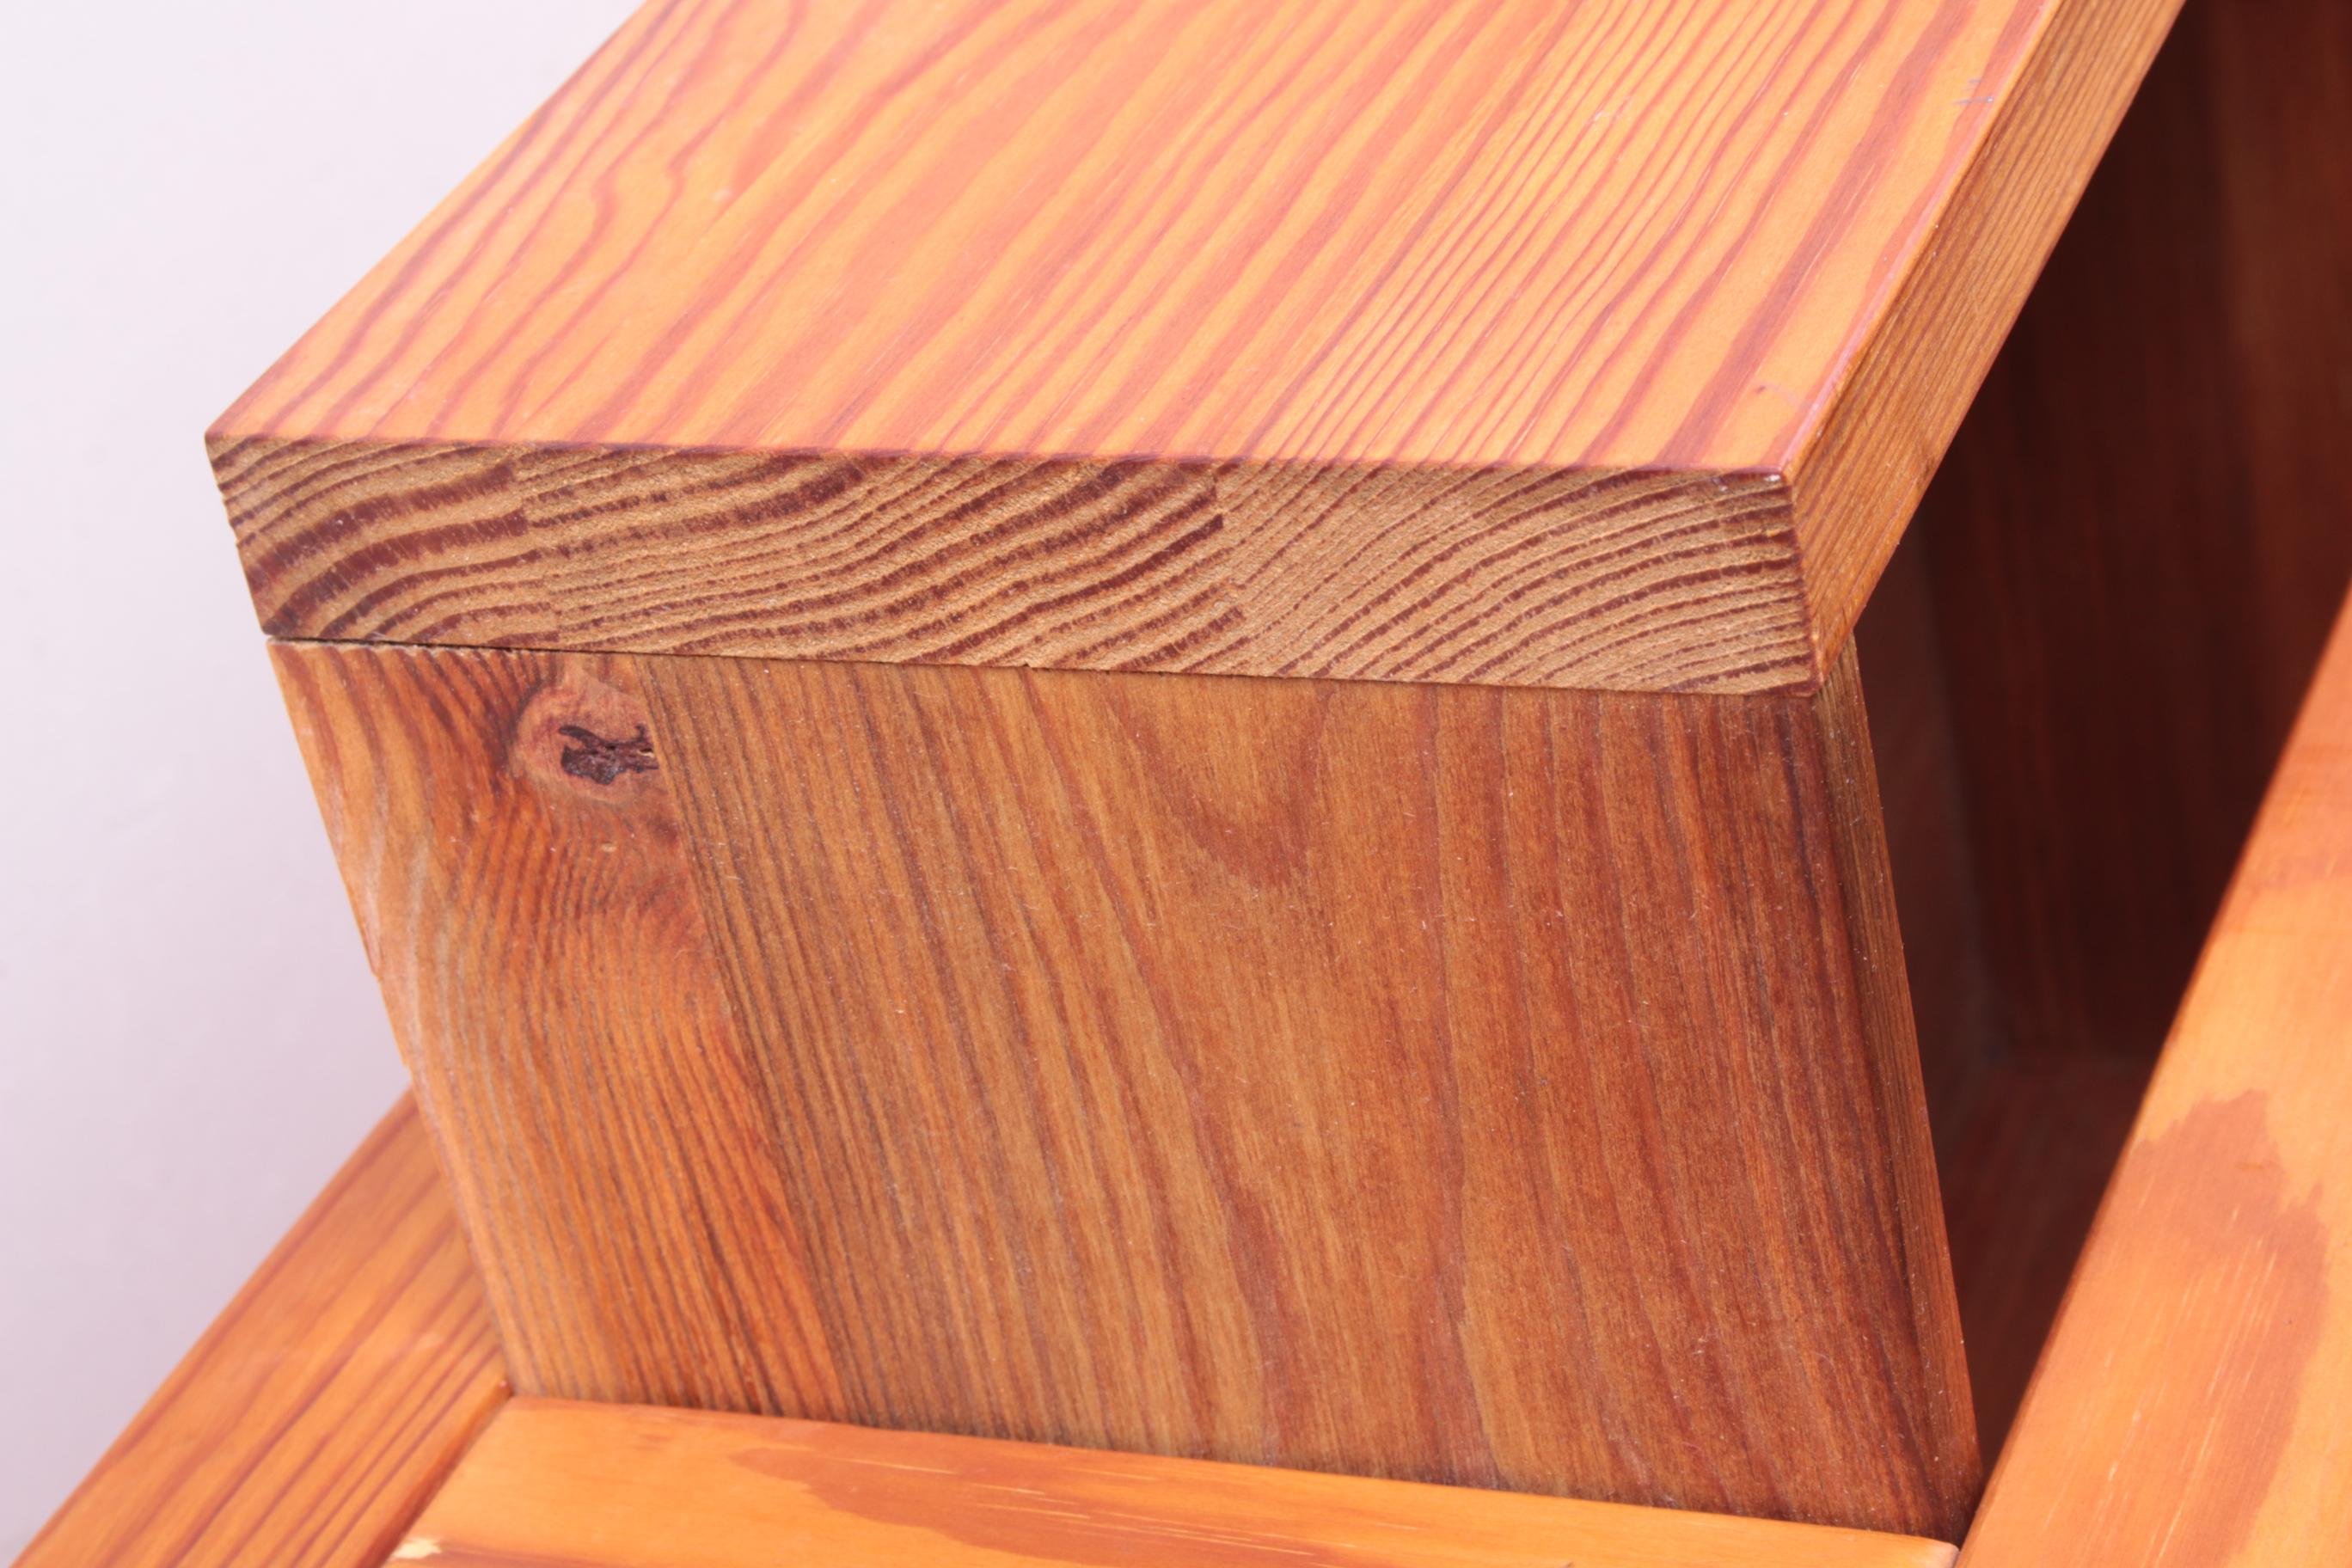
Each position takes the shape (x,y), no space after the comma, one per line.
(189,1039)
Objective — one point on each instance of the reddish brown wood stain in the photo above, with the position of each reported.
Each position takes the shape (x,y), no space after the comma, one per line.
(1398,1080)
(2211,1220)
(2227,1274)
(1500,343)
(2188,1409)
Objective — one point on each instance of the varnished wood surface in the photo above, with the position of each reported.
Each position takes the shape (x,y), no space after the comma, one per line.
(1597,345)
(1915,748)
(1509,1087)
(542,948)
(618,1487)
(2084,662)
(330,1400)
(2025,1139)
(2190,1408)
(2024,1168)
(2140,538)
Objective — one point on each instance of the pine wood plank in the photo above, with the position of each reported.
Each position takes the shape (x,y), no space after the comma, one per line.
(1603,345)
(322,1408)
(2190,1408)
(1503,1087)
(604,1487)
(537,932)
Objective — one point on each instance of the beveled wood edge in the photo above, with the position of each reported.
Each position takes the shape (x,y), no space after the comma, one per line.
(601,1486)
(1863,465)
(323,1406)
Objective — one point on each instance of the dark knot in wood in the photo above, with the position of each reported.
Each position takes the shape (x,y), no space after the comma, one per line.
(600,760)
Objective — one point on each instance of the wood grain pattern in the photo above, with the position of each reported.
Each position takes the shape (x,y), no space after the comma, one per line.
(1870,455)
(1602,345)
(533,925)
(1915,747)
(1511,1088)
(2190,1408)
(322,1408)
(600,1486)
(2024,1139)
(2140,539)
(2085,659)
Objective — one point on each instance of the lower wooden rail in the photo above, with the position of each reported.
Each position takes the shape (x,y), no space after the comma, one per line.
(334,1397)
(2189,1406)
(604,1485)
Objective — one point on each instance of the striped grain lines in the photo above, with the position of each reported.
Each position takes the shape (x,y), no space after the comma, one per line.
(1485,576)
(840,331)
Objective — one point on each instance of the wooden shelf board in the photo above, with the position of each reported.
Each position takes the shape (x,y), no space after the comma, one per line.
(1602,345)
(595,1485)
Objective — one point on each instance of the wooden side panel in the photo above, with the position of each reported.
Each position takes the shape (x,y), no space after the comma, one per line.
(1868,454)
(322,1408)
(1512,1087)
(2142,534)
(599,1487)
(526,901)
(2190,1406)
(2086,655)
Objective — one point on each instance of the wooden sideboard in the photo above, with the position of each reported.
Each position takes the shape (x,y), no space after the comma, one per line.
(1090,743)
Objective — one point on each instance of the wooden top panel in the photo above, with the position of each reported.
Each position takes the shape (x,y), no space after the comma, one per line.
(1514,236)
(595,1485)
(2189,1406)
(1515,233)
(323,1406)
